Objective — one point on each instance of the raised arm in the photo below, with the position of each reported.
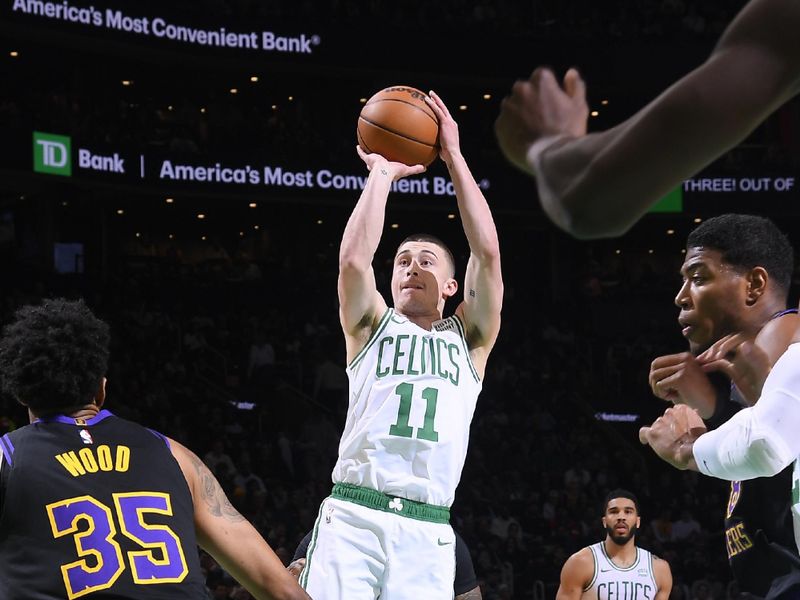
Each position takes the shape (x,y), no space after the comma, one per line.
(230,538)
(360,304)
(598,185)
(483,281)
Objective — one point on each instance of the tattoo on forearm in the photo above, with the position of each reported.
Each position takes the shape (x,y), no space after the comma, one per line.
(216,500)
(472,293)
(471,595)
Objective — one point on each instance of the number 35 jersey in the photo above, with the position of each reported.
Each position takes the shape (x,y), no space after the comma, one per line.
(94,509)
(412,396)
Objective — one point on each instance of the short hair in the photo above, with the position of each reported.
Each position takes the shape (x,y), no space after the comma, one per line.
(620,493)
(54,356)
(432,239)
(748,241)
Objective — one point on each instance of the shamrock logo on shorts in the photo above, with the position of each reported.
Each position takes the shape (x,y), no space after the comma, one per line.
(396,504)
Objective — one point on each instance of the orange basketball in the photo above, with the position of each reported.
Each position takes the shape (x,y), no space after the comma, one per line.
(397,124)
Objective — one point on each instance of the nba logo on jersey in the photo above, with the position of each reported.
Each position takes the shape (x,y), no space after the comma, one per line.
(86,436)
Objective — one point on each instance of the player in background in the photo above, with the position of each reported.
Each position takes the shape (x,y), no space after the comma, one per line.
(616,567)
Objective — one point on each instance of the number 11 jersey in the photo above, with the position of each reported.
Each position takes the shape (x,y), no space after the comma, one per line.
(412,396)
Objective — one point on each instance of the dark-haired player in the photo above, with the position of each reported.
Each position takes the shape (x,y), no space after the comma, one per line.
(598,185)
(95,506)
(414,382)
(616,568)
(736,278)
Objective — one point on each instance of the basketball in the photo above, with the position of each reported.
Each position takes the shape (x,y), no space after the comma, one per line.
(397,124)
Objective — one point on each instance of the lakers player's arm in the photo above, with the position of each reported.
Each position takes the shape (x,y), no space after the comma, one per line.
(483,281)
(598,185)
(360,304)
(230,538)
(663,577)
(576,575)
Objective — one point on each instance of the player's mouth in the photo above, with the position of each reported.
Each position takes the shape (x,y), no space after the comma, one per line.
(686,327)
(621,529)
(411,287)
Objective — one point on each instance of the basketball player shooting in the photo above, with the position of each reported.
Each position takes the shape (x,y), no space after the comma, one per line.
(414,381)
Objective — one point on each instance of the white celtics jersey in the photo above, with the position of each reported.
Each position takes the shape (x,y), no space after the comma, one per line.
(796,502)
(610,582)
(412,396)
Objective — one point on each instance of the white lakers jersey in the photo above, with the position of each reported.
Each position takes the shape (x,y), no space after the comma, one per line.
(610,582)
(412,396)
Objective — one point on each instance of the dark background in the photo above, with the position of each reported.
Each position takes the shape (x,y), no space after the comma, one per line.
(186,296)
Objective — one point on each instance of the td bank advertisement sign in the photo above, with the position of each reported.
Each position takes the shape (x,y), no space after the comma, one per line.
(54,155)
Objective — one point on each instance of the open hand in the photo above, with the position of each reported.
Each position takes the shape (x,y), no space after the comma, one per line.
(395,170)
(539,108)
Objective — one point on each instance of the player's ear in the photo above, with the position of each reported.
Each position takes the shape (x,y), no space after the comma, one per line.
(757,279)
(100,396)
(450,288)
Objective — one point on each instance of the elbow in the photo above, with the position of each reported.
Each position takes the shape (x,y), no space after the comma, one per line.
(767,458)
(352,262)
(490,252)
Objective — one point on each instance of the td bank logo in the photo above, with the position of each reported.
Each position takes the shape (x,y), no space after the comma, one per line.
(52,154)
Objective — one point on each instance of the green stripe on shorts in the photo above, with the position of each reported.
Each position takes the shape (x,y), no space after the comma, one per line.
(390,504)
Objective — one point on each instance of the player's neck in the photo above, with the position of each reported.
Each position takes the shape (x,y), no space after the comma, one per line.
(623,556)
(85,412)
(425,321)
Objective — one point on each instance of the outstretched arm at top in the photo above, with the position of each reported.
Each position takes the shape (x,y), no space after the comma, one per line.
(483,281)
(230,538)
(598,185)
(360,304)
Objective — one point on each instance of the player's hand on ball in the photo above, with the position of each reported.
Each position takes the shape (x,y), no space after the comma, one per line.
(449,145)
(395,170)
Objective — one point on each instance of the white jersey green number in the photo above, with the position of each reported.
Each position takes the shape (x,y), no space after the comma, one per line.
(412,396)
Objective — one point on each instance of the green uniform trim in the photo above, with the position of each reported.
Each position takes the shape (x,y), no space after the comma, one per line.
(594,570)
(378,330)
(614,565)
(303,581)
(463,335)
(391,504)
